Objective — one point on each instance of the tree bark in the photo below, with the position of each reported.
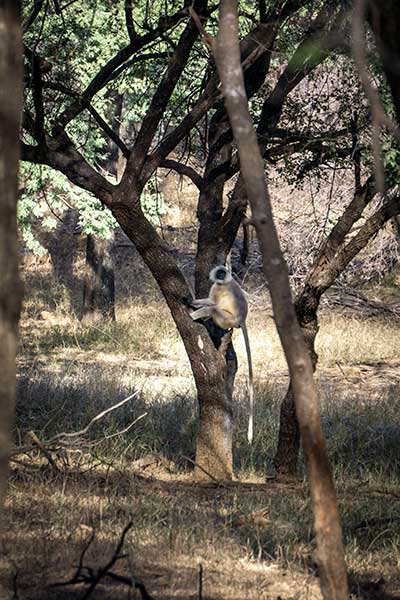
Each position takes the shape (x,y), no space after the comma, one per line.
(208,363)
(288,448)
(332,260)
(10,288)
(330,554)
(98,286)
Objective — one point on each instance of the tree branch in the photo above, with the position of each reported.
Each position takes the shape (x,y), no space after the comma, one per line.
(37,91)
(311,52)
(37,7)
(159,102)
(102,77)
(182,169)
(252,47)
(129,21)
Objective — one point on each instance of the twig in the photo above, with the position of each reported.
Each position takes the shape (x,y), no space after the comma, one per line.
(200,594)
(32,435)
(90,576)
(67,440)
(202,469)
(206,37)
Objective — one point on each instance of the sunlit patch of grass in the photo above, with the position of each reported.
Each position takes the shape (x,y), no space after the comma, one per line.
(351,340)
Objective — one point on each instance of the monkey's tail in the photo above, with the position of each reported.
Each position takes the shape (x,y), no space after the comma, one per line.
(250,430)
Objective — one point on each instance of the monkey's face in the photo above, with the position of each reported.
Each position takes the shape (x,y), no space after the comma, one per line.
(220,275)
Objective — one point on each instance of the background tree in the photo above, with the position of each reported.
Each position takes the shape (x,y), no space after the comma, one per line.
(10,289)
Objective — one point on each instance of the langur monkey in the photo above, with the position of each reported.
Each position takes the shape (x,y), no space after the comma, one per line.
(227,306)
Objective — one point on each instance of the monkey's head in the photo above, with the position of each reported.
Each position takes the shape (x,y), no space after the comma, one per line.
(220,275)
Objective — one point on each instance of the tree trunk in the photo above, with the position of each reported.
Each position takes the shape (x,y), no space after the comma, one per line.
(99,287)
(244,253)
(10,288)
(330,553)
(213,374)
(288,448)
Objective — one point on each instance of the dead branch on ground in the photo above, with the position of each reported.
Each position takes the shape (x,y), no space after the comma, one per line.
(92,577)
(73,440)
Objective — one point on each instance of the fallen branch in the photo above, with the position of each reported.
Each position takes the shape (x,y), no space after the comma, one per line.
(352,299)
(74,439)
(93,577)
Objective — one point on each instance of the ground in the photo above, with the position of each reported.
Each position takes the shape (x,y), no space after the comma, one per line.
(251,538)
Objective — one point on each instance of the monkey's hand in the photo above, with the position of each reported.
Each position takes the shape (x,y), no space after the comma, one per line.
(188,301)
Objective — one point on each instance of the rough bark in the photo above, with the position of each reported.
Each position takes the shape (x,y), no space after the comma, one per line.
(10,288)
(98,286)
(332,260)
(330,554)
(208,364)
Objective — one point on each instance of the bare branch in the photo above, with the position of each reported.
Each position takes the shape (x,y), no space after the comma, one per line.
(182,169)
(74,438)
(93,577)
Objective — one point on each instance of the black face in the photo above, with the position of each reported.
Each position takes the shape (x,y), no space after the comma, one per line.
(220,274)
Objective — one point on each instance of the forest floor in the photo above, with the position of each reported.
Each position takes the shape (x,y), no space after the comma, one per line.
(249,539)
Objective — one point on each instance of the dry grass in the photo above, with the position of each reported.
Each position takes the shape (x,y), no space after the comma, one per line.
(254,539)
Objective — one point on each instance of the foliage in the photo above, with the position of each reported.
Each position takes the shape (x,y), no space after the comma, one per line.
(46,194)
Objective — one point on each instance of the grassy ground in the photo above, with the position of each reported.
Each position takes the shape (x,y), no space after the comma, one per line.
(252,538)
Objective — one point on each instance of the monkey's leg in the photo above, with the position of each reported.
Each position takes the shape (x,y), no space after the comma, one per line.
(201,313)
(202,302)
(225,319)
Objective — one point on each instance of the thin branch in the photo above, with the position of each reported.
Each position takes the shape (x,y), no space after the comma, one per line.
(66,439)
(37,7)
(109,131)
(207,39)
(370,228)
(182,169)
(93,577)
(195,464)
(94,420)
(133,61)
(159,103)
(103,75)
(129,21)
(37,91)
(95,114)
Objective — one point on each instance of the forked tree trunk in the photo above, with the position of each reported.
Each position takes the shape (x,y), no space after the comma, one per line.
(98,286)
(10,287)
(334,256)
